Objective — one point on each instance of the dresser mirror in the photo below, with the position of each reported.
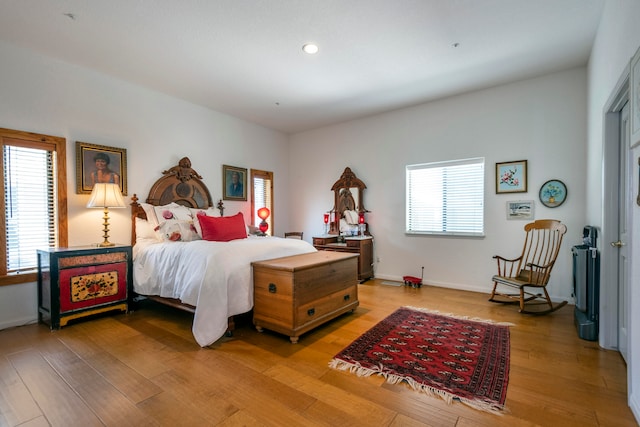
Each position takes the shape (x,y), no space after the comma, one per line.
(348,196)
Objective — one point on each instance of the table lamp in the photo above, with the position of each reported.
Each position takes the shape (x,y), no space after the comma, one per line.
(361,222)
(106,196)
(263,214)
(326,223)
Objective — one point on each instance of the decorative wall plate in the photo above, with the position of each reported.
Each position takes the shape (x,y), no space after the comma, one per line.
(553,193)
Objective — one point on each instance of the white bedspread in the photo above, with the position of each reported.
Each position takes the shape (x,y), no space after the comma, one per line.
(216,277)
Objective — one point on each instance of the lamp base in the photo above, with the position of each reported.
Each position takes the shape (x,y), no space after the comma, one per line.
(105,244)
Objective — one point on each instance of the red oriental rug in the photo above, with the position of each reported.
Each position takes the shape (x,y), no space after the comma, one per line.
(453,358)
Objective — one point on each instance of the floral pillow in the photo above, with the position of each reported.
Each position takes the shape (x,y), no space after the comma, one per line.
(177,231)
(172,211)
(224,228)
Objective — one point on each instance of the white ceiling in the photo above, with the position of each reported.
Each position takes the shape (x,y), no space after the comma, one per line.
(244,57)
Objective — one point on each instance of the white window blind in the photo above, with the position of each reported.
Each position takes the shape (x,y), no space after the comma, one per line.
(30,205)
(446,198)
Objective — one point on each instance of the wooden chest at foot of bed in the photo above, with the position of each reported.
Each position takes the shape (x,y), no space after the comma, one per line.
(295,294)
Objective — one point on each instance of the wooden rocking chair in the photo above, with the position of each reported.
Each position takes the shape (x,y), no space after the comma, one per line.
(531,269)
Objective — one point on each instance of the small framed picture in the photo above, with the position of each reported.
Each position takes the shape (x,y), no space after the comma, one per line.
(99,163)
(553,193)
(520,209)
(511,177)
(234,183)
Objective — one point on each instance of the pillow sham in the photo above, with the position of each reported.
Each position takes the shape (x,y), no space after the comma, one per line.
(224,228)
(144,230)
(177,231)
(172,211)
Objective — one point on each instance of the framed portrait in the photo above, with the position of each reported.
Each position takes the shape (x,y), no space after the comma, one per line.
(99,163)
(511,177)
(520,209)
(634,95)
(234,183)
(553,193)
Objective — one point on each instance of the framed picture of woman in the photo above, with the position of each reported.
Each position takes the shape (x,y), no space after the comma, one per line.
(99,163)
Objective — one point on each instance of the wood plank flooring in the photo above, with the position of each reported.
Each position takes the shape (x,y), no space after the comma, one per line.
(144,368)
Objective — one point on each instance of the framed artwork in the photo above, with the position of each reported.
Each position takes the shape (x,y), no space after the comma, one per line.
(520,209)
(634,95)
(99,163)
(234,183)
(553,193)
(511,177)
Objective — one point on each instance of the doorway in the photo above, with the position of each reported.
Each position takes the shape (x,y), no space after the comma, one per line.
(614,278)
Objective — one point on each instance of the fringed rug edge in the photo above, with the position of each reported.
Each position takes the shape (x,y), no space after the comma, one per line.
(361,371)
(460,317)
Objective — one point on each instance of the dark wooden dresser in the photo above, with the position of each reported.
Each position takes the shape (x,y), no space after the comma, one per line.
(295,294)
(362,246)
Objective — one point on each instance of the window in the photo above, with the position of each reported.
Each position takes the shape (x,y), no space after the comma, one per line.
(34,192)
(446,198)
(262,196)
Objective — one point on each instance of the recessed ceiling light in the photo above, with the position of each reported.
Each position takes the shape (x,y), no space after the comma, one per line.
(310,48)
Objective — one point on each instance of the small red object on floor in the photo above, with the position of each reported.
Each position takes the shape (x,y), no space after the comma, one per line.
(413,281)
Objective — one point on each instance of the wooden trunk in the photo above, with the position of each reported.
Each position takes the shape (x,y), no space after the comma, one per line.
(295,294)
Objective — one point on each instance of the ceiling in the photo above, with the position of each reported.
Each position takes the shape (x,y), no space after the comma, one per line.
(245,58)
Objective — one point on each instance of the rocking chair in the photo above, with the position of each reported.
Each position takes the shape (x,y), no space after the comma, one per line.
(531,269)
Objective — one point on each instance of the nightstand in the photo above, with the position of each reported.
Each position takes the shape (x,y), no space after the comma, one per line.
(81,281)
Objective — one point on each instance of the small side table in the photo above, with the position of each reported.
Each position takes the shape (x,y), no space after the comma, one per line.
(81,281)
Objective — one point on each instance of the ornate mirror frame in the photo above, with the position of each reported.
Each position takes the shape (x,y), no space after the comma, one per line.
(348,193)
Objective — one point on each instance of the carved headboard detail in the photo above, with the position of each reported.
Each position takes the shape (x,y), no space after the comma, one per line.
(180,184)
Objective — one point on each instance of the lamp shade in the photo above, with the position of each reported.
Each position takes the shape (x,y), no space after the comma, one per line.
(263,213)
(361,217)
(106,196)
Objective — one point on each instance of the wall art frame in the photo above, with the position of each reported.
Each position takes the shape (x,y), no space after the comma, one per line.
(634,95)
(553,193)
(511,177)
(520,209)
(100,163)
(234,183)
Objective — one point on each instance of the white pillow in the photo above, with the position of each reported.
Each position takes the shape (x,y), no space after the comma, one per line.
(145,231)
(177,231)
(151,214)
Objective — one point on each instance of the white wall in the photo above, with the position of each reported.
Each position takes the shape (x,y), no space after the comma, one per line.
(542,120)
(47,96)
(617,40)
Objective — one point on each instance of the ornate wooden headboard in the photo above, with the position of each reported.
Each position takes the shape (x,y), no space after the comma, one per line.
(180,184)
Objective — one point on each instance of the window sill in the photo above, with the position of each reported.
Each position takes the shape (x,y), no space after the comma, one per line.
(17,279)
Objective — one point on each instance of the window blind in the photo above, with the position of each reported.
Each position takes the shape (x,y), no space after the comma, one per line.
(445,198)
(30,205)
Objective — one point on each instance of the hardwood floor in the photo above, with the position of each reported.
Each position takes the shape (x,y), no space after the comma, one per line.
(144,368)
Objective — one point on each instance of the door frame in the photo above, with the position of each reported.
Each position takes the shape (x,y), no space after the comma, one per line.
(608,336)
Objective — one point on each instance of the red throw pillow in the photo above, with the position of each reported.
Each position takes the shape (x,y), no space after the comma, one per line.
(223,228)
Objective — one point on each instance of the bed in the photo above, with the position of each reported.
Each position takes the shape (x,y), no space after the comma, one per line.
(188,255)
